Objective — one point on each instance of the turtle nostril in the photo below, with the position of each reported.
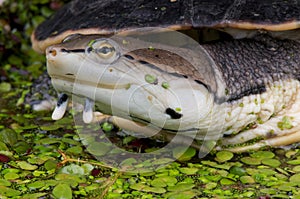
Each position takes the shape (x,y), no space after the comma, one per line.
(53,52)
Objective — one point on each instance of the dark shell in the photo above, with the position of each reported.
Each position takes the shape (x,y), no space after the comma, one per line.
(110,16)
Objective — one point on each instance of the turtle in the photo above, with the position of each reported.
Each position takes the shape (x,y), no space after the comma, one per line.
(241,88)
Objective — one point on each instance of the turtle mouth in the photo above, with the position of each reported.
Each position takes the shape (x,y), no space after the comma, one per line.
(68,85)
(71,79)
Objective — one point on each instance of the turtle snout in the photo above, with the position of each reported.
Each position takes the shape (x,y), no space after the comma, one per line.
(51,51)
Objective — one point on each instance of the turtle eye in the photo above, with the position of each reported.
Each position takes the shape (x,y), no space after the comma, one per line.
(105,51)
(102,48)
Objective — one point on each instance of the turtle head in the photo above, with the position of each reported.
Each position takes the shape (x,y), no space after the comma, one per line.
(131,81)
(84,60)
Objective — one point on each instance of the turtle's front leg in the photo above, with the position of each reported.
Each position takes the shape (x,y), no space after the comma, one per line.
(280,130)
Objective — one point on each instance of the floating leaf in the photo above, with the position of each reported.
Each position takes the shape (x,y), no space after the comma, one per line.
(74,150)
(145,172)
(87,168)
(164,181)
(248,194)
(49,141)
(50,164)
(270,191)
(214,178)
(51,183)
(296,169)
(226,181)
(181,195)
(162,161)
(51,127)
(3,147)
(5,191)
(189,171)
(11,176)
(295,178)
(294,162)
(8,136)
(128,162)
(268,172)
(75,178)
(271,162)
(5,183)
(70,141)
(262,154)
(251,160)
(211,185)
(10,170)
(26,166)
(183,153)
(38,173)
(69,182)
(223,156)
(237,171)
(291,153)
(62,191)
(209,163)
(21,147)
(99,148)
(73,169)
(138,186)
(181,187)
(36,185)
(247,180)
(146,188)
(154,189)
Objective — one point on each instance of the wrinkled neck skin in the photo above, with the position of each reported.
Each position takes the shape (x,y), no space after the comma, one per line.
(139,88)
